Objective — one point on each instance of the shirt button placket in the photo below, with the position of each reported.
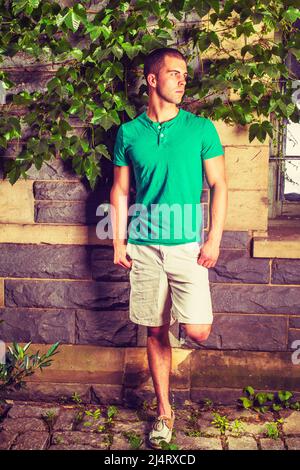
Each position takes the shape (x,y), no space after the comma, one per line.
(162,135)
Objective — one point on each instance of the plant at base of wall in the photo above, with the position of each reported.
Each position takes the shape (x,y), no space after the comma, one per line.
(237,427)
(273,429)
(221,422)
(50,417)
(135,441)
(19,365)
(267,401)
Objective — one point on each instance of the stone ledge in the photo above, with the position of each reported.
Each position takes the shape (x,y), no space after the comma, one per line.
(122,373)
(281,241)
(80,364)
(51,234)
(1,292)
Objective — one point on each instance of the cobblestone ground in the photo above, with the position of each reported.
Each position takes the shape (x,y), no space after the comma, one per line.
(51,426)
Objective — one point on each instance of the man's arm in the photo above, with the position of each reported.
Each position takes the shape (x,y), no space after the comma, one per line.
(216,177)
(119,198)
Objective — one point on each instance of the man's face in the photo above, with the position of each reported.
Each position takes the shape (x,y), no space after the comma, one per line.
(170,83)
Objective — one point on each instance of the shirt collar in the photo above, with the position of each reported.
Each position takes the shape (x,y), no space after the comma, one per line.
(163,125)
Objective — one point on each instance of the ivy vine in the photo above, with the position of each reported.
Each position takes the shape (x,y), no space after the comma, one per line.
(96,48)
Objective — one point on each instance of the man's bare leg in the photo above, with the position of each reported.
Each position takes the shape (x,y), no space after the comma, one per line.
(160,361)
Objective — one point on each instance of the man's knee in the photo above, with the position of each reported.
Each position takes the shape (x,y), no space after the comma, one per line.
(197,333)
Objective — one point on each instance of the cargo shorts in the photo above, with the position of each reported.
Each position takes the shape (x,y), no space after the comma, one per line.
(168,285)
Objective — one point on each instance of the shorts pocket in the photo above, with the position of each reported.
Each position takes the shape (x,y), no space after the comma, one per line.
(193,249)
(144,287)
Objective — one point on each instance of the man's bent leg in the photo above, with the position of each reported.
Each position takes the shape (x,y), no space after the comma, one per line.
(160,362)
(197,333)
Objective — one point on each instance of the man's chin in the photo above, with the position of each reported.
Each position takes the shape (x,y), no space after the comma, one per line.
(178,98)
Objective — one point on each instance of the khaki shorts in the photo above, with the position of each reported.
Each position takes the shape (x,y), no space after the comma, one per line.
(167,284)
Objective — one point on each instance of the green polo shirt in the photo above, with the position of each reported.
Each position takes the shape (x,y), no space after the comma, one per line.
(166,159)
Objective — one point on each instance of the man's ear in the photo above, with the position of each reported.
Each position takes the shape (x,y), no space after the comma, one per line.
(151,78)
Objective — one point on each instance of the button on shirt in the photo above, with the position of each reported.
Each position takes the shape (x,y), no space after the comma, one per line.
(166,159)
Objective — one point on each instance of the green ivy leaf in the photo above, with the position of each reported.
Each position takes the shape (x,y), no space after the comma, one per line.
(131,50)
(249,390)
(72,20)
(53,84)
(284,395)
(27,5)
(79,10)
(214,38)
(261,398)
(215,4)
(258,89)
(84,145)
(104,119)
(202,7)
(94,31)
(117,51)
(287,109)
(102,150)
(151,42)
(64,126)
(204,41)
(77,53)
(291,14)
(101,87)
(14,175)
(100,54)
(253,131)
(267,126)
(245,28)
(130,110)
(3,142)
(246,402)
(118,70)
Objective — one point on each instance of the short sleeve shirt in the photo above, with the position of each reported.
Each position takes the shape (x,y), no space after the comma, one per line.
(166,159)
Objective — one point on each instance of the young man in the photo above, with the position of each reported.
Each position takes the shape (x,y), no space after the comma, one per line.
(167,147)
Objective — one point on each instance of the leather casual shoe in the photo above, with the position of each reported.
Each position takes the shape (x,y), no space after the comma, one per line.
(161,430)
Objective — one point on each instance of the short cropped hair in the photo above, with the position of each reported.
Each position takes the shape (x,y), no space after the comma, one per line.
(155,60)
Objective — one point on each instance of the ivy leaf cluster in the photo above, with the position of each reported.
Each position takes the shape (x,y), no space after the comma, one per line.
(93,50)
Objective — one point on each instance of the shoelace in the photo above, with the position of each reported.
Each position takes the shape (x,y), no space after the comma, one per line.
(160,421)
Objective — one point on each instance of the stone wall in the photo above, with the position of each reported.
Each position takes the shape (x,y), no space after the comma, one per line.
(58,283)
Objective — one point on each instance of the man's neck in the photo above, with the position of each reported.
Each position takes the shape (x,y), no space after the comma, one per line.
(161,116)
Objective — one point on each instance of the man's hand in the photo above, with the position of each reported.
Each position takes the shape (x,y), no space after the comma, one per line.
(209,253)
(120,256)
